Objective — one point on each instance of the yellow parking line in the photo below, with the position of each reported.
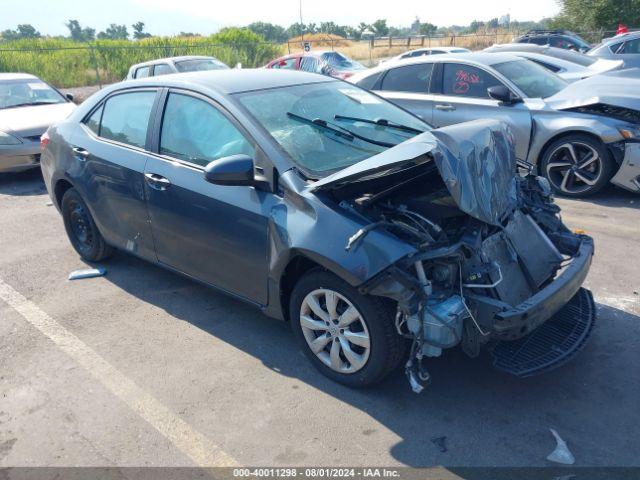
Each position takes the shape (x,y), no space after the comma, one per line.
(189,441)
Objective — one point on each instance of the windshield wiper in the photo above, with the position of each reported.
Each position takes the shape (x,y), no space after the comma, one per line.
(383,122)
(338,130)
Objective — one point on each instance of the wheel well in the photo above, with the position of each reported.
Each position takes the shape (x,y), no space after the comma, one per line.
(296,268)
(59,190)
(543,150)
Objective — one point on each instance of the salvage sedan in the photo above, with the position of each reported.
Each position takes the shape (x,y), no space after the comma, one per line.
(28,106)
(580,136)
(331,208)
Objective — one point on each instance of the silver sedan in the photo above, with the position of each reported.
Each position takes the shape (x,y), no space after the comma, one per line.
(28,106)
(579,136)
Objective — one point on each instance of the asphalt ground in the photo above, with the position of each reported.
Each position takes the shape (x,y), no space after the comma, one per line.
(143,367)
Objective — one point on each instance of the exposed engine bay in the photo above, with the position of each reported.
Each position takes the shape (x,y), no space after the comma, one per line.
(477,278)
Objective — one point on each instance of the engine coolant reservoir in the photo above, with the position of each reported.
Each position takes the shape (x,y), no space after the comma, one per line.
(443,325)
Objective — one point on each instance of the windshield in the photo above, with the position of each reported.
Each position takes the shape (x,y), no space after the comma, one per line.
(322,125)
(199,65)
(340,62)
(25,92)
(534,80)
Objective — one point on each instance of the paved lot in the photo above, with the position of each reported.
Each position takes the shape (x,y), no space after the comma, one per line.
(144,367)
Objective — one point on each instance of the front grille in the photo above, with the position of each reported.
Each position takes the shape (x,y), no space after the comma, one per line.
(551,344)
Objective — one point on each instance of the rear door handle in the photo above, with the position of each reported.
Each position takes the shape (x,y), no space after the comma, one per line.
(80,153)
(445,107)
(157,181)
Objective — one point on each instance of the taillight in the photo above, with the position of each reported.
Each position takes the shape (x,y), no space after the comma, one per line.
(44,141)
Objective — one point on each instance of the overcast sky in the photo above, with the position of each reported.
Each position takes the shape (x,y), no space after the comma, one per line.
(168,17)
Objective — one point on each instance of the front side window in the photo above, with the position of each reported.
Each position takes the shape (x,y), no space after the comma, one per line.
(297,118)
(125,118)
(195,131)
(539,40)
(27,92)
(410,78)
(142,72)
(534,81)
(467,81)
(161,69)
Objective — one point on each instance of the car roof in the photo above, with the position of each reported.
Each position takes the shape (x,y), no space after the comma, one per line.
(483,58)
(171,59)
(620,38)
(230,81)
(17,76)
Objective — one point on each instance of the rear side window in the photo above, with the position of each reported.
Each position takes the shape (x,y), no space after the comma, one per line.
(632,46)
(161,69)
(539,40)
(142,72)
(310,64)
(126,117)
(93,122)
(410,78)
(195,131)
(467,81)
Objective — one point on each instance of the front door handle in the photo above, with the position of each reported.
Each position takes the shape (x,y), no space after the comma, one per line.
(445,107)
(157,181)
(80,153)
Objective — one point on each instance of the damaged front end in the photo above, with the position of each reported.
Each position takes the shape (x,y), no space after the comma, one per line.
(493,265)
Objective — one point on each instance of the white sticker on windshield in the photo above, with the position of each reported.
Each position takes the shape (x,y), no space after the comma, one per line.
(38,86)
(359,96)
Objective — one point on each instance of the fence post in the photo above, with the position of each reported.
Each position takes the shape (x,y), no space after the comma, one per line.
(94,60)
(288,47)
(390,41)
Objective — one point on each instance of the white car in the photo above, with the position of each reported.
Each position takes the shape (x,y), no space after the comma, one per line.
(421,52)
(28,106)
(570,71)
(165,66)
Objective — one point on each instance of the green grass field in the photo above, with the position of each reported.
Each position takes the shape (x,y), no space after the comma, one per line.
(65,63)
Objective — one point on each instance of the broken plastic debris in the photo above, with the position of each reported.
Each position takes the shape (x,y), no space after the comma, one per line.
(441,443)
(87,273)
(49,204)
(561,454)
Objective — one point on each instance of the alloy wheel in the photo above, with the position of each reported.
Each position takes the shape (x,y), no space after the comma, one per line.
(574,167)
(335,331)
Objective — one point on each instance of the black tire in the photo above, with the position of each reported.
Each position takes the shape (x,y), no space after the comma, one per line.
(599,172)
(387,348)
(81,228)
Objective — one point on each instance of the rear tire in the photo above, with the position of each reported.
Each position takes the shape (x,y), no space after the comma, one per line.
(354,336)
(577,165)
(81,228)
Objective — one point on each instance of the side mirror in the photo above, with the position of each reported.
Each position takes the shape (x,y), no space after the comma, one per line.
(70,96)
(503,94)
(234,170)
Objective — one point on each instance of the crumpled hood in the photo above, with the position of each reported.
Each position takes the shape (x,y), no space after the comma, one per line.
(27,121)
(476,160)
(618,88)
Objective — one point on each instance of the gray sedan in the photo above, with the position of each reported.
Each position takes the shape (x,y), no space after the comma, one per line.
(579,136)
(327,206)
(28,106)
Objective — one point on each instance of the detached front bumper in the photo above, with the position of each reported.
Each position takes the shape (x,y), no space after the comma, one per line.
(520,320)
(628,175)
(17,158)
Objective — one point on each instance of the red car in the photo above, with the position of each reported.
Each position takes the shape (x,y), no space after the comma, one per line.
(329,63)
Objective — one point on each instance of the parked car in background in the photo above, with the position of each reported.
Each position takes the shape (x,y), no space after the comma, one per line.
(331,63)
(331,208)
(164,66)
(420,52)
(570,71)
(593,64)
(579,136)
(28,106)
(555,38)
(625,47)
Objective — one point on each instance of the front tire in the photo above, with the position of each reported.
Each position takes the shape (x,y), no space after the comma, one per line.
(349,337)
(81,228)
(577,165)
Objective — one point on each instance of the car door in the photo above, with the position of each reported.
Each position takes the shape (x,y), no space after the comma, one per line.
(408,87)
(462,96)
(216,234)
(109,155)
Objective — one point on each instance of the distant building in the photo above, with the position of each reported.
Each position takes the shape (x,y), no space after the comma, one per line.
(415,27)
(504,20)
